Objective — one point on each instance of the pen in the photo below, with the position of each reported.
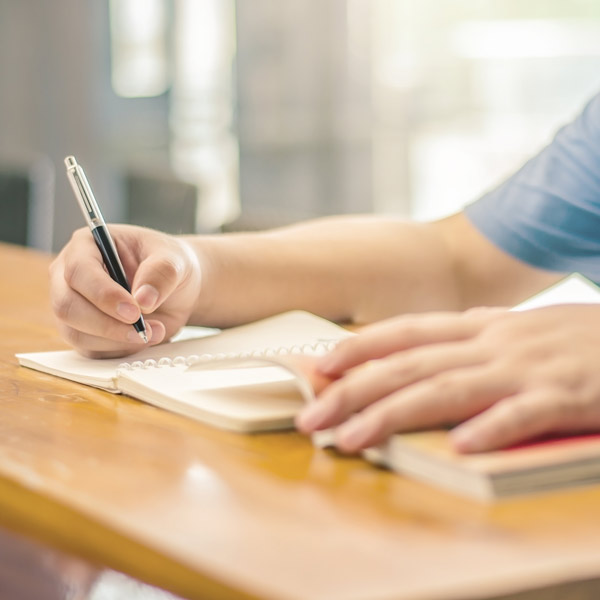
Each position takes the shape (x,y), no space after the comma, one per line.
(93,216)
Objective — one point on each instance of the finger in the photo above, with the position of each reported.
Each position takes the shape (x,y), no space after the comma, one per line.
(378,379)
(446,398)
(76,312)
(88,278)
(158,276)
(93,346)
(522,417)
(393,335)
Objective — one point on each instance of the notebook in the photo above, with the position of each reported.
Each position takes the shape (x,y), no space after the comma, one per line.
(216,378)
(536,466)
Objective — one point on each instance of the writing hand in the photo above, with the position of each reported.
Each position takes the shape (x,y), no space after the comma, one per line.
(502,376)
(95,313)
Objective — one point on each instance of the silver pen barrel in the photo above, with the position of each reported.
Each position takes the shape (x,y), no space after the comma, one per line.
(83,193)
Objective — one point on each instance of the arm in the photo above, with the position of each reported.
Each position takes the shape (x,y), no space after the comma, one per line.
(359,269)
(356,269)
(501,376)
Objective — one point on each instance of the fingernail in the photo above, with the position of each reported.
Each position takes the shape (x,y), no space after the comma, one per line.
(147,295)
(129,312)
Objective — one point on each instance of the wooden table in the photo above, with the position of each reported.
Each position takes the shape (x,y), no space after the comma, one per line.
(208,514)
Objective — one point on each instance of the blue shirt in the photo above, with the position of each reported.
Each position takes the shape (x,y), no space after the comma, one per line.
(548,213)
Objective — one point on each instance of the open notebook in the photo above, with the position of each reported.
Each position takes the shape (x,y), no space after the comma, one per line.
(179,376)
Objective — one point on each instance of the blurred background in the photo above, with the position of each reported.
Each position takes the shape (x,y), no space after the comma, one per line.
(210,115)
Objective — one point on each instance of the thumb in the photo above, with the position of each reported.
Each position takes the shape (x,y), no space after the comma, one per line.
(156,278)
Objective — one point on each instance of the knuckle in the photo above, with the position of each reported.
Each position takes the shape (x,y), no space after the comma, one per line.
(400,362)
(168,268)
(404,367)
(455,395)
(62,306)
(447,384)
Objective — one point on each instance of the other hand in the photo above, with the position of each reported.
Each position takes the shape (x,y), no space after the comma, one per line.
(502,376)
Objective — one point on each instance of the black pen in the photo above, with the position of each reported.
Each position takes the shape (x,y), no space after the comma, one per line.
(93,216)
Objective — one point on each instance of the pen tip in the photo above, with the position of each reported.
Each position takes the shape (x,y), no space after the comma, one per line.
(143,335)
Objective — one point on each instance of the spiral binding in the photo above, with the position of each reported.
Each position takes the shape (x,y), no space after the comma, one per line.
(317,349)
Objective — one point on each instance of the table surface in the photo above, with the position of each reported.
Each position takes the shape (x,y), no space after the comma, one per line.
(211,514)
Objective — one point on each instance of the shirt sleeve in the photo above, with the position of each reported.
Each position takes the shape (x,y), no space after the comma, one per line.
(548,213)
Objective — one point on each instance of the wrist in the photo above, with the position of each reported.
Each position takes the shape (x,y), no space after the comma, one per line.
(210,257)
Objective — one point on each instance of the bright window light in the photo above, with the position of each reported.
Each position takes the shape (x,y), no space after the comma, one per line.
(139,47)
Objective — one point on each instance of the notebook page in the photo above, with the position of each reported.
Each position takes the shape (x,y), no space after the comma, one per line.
(574,289)
(294,328)
(243,400)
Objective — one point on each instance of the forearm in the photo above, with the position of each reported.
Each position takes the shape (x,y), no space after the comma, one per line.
(356,269)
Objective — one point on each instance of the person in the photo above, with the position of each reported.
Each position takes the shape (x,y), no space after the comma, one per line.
(439,347)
